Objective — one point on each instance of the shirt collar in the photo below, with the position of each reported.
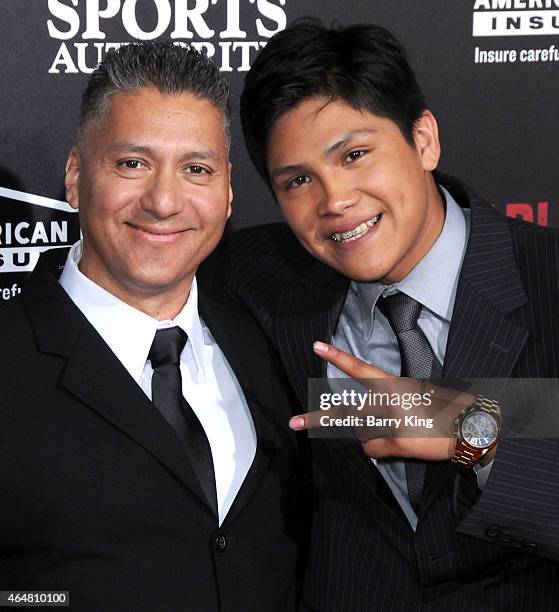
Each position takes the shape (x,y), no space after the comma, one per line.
(434,279)
(128,332)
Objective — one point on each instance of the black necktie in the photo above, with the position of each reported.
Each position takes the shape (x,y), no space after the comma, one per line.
(418,361)
(166,393)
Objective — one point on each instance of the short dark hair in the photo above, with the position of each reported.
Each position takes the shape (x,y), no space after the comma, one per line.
(363,65)
(171,68)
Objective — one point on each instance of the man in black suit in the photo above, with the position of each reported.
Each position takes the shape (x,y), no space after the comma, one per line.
(147,462)
(386,262)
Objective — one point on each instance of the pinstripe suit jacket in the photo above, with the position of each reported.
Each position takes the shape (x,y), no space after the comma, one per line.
(491,551)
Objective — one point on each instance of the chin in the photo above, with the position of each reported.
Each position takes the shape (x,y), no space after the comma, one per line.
(154,285)
(364,278)
(359,274)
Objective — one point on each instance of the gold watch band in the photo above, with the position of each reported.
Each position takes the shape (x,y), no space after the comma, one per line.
(465,454)
(466,457)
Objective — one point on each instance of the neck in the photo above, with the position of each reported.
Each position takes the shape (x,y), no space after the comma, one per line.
(161,306)
(159,303)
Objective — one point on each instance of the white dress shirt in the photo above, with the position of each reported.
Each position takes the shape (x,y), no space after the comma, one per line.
(208,382)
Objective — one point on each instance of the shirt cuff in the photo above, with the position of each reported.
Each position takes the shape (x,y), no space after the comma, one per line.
(482,474)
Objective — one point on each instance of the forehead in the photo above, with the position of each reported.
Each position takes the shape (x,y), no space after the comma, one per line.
(146,113)
(318,124)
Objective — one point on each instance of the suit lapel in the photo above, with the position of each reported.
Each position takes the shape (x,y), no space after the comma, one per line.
(483,343)
(95,376)
(248,357)
(308,311)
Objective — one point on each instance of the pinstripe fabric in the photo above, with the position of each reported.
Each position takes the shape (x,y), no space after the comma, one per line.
(492,551)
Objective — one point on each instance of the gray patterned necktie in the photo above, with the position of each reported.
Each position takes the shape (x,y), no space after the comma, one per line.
(418,361)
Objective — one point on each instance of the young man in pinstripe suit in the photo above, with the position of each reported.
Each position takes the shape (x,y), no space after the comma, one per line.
(336,123)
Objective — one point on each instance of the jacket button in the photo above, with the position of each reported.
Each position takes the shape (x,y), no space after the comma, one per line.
(517,542)
(492,532)
(531,547)
(505,537)
(220,542)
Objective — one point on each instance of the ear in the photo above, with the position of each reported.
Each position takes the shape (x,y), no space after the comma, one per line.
(71,178)
(426,137)
(230,193)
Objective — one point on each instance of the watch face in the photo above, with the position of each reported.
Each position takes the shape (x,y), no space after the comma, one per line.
(479,429)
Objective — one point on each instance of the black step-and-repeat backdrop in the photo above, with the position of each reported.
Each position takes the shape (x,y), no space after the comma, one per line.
(490,69)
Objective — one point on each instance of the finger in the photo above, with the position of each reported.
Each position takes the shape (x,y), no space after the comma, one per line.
(403,448)
(299,422)
(353,366)
(425,449)
(317,419)
(379,448)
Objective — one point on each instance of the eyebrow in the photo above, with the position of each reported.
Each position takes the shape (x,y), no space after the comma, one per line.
(347,138)
(126,146)
(328,152)
(291,169)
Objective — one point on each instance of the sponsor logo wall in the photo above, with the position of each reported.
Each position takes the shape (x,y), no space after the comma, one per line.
(490,69)
(30,224)
(222,36)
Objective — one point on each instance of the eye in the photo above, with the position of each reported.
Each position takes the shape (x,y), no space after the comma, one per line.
(355,155)
(297,181)
(130,164)
(196,169)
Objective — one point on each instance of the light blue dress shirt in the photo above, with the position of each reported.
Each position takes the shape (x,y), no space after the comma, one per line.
(365,332)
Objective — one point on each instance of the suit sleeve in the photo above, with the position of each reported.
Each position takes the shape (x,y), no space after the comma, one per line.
(519,505)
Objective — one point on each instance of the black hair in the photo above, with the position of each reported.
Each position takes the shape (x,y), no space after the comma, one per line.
(171,68)
(362,65)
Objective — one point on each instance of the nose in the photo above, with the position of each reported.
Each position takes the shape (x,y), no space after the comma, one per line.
(162,197)
(338,194)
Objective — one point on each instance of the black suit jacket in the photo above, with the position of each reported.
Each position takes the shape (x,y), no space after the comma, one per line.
(493,551)
(98,497)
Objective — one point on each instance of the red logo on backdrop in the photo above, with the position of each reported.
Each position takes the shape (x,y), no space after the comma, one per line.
(534,213)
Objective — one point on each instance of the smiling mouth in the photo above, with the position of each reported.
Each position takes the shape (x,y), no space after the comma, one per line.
(357,232)
(155,233)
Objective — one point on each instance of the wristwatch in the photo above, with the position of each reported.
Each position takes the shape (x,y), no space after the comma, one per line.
(477,431)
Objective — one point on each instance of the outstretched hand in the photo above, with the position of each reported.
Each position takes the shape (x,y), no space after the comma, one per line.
(403,437)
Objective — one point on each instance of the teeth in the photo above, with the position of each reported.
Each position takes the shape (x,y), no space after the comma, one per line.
(357,232)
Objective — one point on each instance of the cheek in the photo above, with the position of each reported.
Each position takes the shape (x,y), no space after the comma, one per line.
(108,197)
(396,178)
(100,224)
(299,216)
(213,214)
